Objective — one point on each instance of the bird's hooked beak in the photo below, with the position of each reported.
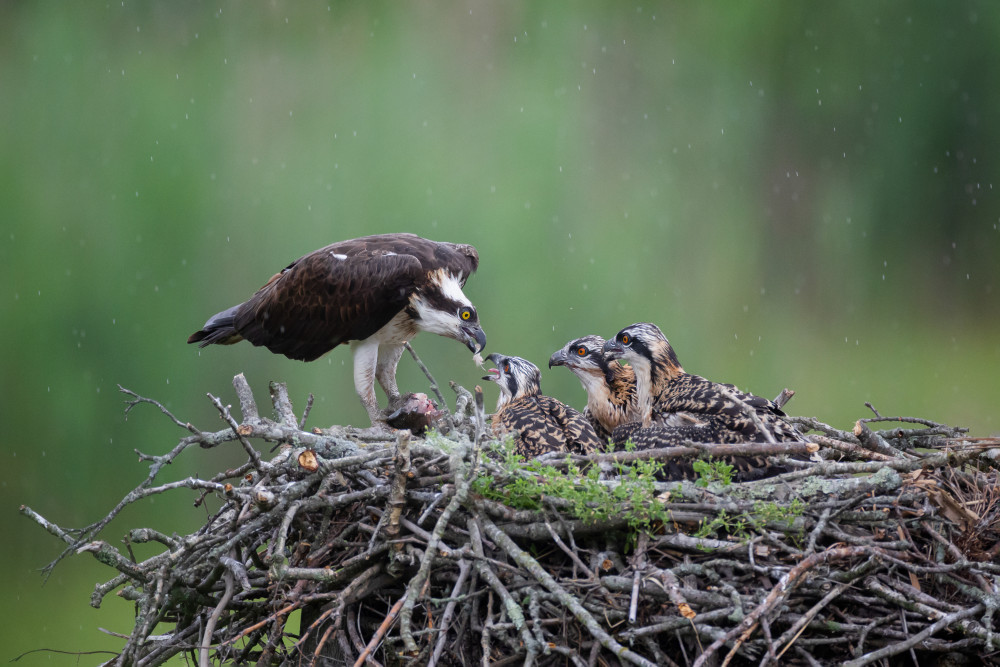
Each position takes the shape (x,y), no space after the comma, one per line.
(475,338)
(494,373)
(614,349)
(558,358)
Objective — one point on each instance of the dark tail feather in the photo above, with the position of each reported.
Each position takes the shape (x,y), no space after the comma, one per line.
(218,330)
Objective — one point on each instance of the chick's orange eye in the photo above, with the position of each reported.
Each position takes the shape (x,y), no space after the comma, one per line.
(581,351)
(506,368)
(626,339)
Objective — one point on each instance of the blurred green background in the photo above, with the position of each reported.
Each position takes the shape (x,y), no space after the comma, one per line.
(801,195)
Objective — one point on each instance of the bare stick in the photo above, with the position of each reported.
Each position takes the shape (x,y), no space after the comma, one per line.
(397,497)
(780,591)
(582,615)
(390,618)
(449,611)
(305,413)
(241,434)
(430,378)
(206,641)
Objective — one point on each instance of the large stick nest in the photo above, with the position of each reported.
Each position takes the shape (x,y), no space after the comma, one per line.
(447,550)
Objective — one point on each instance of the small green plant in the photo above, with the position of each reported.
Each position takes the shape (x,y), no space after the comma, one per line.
(732,526)
(771,512)
(581,492)
(713,471)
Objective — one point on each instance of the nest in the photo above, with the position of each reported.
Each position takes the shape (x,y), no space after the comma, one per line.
(447,550)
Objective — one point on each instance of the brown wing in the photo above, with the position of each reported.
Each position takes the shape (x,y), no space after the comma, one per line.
(725,406)
(579,434)
(535,432)
(345,291)
(327,298)
(602,432)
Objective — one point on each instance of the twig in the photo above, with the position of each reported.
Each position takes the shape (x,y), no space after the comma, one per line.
(780,591)
(462,483)
(571,603)
(449,611)
(430,378)
(241,433)
(305,413)
(383,628)
(206,641)
(915,640)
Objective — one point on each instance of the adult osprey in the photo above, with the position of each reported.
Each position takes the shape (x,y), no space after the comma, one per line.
(374,292)
(663,389)
(539,423)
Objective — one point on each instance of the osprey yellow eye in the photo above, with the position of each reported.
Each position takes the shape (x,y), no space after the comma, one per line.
(465,314)
(582,351)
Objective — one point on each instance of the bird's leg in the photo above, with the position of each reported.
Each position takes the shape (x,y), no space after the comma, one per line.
(365,360)
(385,369)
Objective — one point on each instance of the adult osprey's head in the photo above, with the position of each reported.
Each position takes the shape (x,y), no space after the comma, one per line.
(515,376)
(439,306)
(647,350)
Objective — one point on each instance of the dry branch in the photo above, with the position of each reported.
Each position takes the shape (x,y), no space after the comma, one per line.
(445,550)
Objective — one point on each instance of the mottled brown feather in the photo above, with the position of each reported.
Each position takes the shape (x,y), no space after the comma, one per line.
(676,392)
(539,424)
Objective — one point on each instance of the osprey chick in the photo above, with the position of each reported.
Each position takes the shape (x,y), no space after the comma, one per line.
(374,292)
(539,423)
(610,386)
(663,388)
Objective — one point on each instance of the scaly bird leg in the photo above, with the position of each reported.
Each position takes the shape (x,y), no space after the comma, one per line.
(365,361)
(385,369)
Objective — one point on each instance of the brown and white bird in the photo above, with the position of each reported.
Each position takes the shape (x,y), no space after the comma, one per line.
(540,424)
(663,389)
(374,292)
(610,386)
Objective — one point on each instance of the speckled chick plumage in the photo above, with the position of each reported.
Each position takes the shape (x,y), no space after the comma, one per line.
(663,389)
(540,424)
(610,386)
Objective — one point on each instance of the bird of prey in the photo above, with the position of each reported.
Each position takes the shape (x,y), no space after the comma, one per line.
(663,388)
(539,423)
(610,386)
(374,292)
